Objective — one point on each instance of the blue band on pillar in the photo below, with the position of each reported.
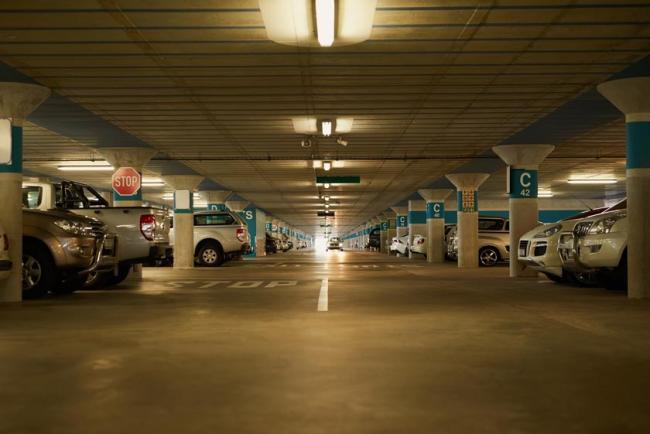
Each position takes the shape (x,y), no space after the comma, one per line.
(435,210)
(402,221)
(384,226)
(523,183)
(16,165)
(638,145)
(217,207)
(417,217)
(467,201)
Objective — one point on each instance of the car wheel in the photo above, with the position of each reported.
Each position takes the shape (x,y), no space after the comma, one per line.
(488,256)
(123,271)
(210,255)
(39,271)
(578,278)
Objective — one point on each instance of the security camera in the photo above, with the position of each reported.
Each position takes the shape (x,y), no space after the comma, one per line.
(342,142)
(306,143)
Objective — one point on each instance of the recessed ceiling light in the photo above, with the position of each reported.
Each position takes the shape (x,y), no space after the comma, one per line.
(327,198)
(326,185)
(327,165)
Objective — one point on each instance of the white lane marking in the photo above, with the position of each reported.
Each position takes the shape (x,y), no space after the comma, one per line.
(323,296)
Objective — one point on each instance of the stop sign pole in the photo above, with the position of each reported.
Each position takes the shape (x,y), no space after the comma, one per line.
(127,183)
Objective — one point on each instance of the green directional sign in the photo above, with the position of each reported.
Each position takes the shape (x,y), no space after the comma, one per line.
(338,180)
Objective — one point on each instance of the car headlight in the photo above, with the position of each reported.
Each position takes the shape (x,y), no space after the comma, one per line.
(548,232)
(604,225)
(74,228)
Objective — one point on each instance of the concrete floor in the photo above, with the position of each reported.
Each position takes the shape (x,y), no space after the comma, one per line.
(405,347)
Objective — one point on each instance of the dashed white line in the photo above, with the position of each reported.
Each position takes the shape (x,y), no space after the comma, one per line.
(323,296)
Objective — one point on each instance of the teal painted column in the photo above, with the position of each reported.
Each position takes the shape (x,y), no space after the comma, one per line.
(17,101)
(523,163)
(417,221)
(184,186)
(632,97)
(435,214)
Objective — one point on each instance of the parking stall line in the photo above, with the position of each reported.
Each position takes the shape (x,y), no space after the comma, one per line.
(323,296)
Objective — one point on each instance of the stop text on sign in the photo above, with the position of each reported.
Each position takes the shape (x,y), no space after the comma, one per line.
(126,181)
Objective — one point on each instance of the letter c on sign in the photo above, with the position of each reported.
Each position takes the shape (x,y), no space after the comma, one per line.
(525,183)
(436,208)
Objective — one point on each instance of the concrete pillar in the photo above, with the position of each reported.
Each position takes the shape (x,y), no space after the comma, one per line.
(133,157)
(436,245)
(391,232)
(523,164)
(417,221)
(215,199)
(401,220)
(17,101)
(383,232)
(184,186)
(467,185)
(632,97)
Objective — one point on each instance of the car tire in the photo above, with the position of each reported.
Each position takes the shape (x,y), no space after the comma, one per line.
(123,271)
(488,257)
(554,278)
(210,254)
(39,271)
(577,278)
(616,280)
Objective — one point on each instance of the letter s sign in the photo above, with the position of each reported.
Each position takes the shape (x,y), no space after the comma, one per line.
(249,215)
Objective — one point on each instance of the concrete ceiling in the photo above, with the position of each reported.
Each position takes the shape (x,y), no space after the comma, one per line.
(437,85)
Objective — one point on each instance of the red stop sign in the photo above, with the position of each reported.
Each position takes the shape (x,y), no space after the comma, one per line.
(126,181)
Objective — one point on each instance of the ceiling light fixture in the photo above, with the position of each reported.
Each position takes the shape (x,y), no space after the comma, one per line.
(326,128)
(313,23)
(344,125)
(327,198)
(86,166)
(325,18)
(327,165)
(338,164)
(592,181)
(326,185)
(317,164)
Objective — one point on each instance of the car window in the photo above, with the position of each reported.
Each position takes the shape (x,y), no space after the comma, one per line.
(32,197)
(621,205)
(213,220)
(490,224)
(93,198)
(507,228)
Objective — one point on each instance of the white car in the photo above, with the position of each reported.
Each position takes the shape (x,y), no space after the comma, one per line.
(218,236)
(334,244)
(5,263)
(598,245)
(493,241)
(400,245)
(538,247)
(419,245)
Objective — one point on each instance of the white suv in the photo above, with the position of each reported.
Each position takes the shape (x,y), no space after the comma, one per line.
(598,245)
(5,263)
(538,247)
(218,236)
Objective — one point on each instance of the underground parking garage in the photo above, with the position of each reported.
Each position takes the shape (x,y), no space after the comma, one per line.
(297,216)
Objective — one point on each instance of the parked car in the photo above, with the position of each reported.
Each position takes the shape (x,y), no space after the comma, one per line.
(419,245)
(142,232)
(270,245)
(597,246)
(218,237)
(60,250)
(400,245)
(334,243)
(493,241)
(538,248)
(374,239)
(5,262)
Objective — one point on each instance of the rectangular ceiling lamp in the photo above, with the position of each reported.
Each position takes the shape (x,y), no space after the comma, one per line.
(355,18)
(317,164)
(305,125)
(338,180)
(344,125)
(86,166)
(326,127)
(325,21)
(595,181)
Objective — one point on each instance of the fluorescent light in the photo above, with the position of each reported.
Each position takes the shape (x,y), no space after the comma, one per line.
(326,127)
(543,194)
(327,165)
(325,19)
(86,166)
(317,164)
(338,164)
(153,184)
(344,125)
(326,198)
(327,205)
(592,181)
(326,185)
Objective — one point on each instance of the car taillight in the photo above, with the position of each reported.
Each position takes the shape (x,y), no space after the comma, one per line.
(241,234)
(5,242)
(148,226)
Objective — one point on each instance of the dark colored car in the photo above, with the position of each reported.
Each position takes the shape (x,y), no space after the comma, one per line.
(270,246)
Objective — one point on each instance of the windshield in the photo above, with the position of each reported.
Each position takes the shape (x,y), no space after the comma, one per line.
(32,197)
(587,213)
(619,206)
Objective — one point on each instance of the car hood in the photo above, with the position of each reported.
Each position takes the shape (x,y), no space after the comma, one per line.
(62,214)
